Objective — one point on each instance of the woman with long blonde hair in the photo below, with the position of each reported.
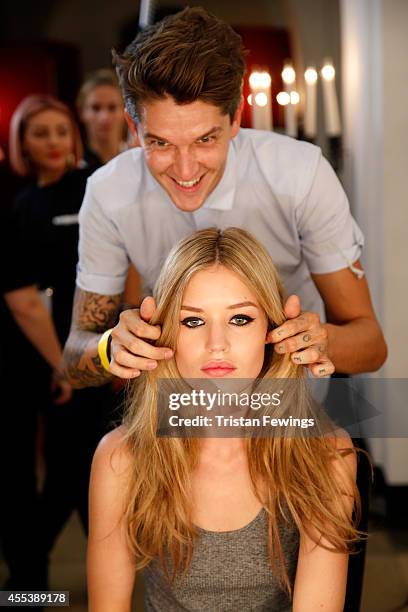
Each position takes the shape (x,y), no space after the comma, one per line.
(264,522)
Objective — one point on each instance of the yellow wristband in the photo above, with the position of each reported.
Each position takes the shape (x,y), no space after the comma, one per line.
(103,349)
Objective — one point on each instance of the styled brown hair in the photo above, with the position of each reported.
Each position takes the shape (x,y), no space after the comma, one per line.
(30,106)
(189,56)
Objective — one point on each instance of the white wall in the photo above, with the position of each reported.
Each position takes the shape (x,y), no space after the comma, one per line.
(395,81)
(375,110)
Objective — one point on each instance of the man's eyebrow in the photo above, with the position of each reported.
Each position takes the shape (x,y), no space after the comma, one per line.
(214,130)
(233,306)
(154,137)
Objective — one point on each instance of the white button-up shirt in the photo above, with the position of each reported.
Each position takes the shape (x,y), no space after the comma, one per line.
(281,190)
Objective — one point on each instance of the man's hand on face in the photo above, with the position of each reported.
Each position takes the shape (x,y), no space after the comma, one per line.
(304,336)
(131,348)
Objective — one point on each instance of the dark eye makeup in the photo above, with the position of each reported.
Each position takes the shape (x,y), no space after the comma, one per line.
(239,320)
(242,320)
(192,322)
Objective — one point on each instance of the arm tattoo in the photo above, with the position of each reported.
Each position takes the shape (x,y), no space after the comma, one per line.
(92,315)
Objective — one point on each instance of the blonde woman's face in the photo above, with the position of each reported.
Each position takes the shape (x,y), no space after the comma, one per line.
(48,141)
(222,328)
(103,113)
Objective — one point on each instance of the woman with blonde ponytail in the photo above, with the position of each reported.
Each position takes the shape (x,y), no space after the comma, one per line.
(220,524)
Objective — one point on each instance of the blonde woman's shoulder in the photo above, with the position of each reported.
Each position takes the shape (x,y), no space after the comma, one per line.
(346,463)
(341,439)
(112,455)
(110,565)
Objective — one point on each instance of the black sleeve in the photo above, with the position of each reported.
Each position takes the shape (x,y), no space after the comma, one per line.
(15,272)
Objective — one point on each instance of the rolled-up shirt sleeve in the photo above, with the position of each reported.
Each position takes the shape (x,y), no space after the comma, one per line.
(103,261)
(329,236)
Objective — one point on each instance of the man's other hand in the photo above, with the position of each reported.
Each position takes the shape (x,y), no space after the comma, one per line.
(305,337)
(132,350)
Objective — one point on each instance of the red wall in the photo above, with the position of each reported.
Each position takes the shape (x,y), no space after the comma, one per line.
(51,68)
(268,48)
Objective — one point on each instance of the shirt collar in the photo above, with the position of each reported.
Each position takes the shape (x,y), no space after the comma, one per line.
(222,198)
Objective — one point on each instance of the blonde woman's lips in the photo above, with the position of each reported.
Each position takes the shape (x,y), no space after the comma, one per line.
(218,369)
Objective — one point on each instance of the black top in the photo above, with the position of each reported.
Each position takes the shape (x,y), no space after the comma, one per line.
(14,274)
(91,159)
(47,219)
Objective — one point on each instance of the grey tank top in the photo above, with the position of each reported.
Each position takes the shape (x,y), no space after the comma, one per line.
(230,572)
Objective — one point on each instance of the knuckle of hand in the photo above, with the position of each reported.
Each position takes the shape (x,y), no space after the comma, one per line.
(314,319)
(134,347)
(292,345)
(139,329)
(290,329)
(314,355)
(123,315)
(120,356)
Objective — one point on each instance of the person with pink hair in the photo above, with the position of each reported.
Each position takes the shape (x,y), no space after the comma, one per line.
(46,149)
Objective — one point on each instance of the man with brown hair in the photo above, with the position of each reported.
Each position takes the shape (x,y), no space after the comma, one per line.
(181,80)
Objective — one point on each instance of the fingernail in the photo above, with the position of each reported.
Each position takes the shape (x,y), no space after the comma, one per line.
(280,348)
(168,354)
(151,365)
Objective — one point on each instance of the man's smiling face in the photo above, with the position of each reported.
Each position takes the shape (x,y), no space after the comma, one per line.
(186,147)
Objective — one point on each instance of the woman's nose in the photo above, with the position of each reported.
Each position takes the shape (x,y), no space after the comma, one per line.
(217,339)
(53,138)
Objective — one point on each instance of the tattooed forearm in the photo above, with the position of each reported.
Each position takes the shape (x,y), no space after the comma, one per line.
(94,312)
(92,315)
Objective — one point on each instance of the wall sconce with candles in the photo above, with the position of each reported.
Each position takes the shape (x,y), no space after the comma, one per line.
(261,101)
(290,110)
(309,117)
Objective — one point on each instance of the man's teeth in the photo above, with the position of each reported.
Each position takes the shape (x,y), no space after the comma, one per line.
(188,183)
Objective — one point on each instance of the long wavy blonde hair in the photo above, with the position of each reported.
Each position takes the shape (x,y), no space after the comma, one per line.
(296,472)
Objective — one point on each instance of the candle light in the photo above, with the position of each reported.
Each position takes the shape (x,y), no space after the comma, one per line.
(289,78)
(294,97)
(310,103)
(330,102)
(283,98)
(261,100)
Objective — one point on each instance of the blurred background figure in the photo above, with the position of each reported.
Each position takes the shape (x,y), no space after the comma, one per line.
(101,109)
(45,147)
(19,509)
